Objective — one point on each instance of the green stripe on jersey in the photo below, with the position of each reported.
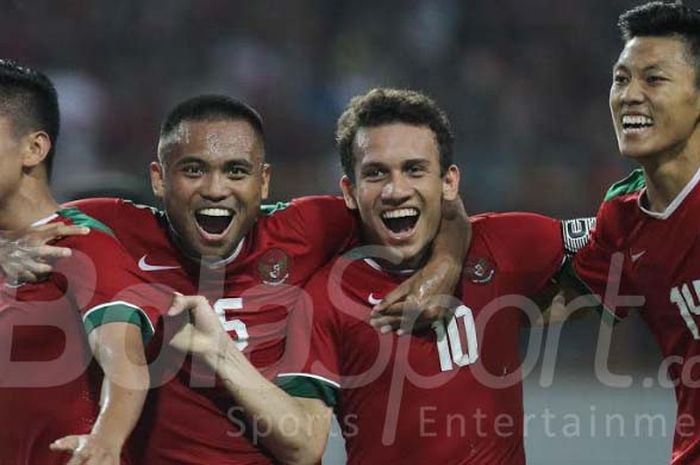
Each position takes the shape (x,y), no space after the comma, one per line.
(81,219)
(632,183)
(271,209)
(309,386)
(118,312)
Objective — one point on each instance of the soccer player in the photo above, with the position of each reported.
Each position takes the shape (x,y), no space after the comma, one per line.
(49,383)
(211,240)
(450,394)
(646,241)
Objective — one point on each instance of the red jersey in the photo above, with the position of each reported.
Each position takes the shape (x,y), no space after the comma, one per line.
(189,419)
(49,382)
(653,256)
(452,394)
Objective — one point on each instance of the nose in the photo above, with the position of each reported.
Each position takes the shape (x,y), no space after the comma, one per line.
(397,190)
(632,93)
(215,187)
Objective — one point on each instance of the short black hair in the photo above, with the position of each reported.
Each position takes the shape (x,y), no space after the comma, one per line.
(661,19)
(29,100)
(211,108)
(382,106)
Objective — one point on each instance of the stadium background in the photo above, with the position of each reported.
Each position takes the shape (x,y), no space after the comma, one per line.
(525,84)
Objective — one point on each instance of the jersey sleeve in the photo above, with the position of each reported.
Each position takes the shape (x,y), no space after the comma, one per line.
(530,250)
(105,285)
(598,269)
(326,223)
(311,368)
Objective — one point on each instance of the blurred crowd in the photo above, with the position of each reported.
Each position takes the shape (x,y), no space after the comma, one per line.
(525,84)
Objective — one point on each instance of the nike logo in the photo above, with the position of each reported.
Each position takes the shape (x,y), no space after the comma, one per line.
(143,266)
(373,300)
(637,256)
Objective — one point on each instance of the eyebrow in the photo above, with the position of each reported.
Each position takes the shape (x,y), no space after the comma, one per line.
(622,66)
(416,161)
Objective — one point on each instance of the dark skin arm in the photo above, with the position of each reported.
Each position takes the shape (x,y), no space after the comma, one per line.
(419,301)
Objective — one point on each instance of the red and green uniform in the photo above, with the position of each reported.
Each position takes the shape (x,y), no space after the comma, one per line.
(189,419)
(656,257)
(49,382)
(450,395)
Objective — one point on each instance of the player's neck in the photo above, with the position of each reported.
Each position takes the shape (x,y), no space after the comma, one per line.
(413,263)
(30,203)
(665,178)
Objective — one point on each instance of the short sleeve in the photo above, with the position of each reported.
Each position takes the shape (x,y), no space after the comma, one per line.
(327,223)
(597,267)
(106,286)
(530,249)
(311,368)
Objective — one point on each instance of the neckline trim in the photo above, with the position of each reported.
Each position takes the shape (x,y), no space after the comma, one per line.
(675,203)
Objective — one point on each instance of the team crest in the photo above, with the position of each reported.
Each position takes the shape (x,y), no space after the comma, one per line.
(273,267)
(479,270)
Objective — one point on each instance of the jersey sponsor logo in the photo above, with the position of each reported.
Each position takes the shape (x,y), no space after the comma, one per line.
(145,266)
(479,270)
(373,300)
(637,256)
(273,267)
(576,233)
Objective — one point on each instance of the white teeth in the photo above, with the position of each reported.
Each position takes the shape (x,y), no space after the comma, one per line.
(400,213)
(637,120)
(214,212)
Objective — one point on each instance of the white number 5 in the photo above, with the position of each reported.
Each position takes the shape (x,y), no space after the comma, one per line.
(237,326)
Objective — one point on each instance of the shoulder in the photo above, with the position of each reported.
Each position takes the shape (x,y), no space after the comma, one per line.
(628,187)
(111,211)
(519,242)
(302,207)
(620,211)
(514,226)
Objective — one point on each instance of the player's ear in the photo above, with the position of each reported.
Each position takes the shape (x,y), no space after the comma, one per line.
(450,183)
(157,184)
(35,147)
(266,174)
(348,189)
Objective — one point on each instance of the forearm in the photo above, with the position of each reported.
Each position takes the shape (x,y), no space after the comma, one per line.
(454,235)
(120,409)
(119,350)
(269,409)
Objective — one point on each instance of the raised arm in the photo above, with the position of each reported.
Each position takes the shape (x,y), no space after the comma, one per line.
(296,429)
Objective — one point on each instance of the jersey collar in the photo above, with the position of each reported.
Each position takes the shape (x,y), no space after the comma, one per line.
(378,267)
(229,259)
(673,206)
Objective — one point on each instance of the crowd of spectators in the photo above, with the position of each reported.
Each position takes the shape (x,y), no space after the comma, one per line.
(525,84)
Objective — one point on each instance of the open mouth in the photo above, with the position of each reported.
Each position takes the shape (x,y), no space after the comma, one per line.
(214,221)
(632,124)
(401,220)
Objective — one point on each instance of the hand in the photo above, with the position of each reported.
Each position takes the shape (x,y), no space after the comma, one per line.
(419,301)
(88,449)
(24,255)
(204,335)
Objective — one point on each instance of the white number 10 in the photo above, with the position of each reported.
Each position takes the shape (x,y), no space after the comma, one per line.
(449,342)
(238,326)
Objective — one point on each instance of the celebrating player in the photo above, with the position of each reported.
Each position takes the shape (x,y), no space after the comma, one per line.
(211,175)
(646,239)
(49,385)
(451,394)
